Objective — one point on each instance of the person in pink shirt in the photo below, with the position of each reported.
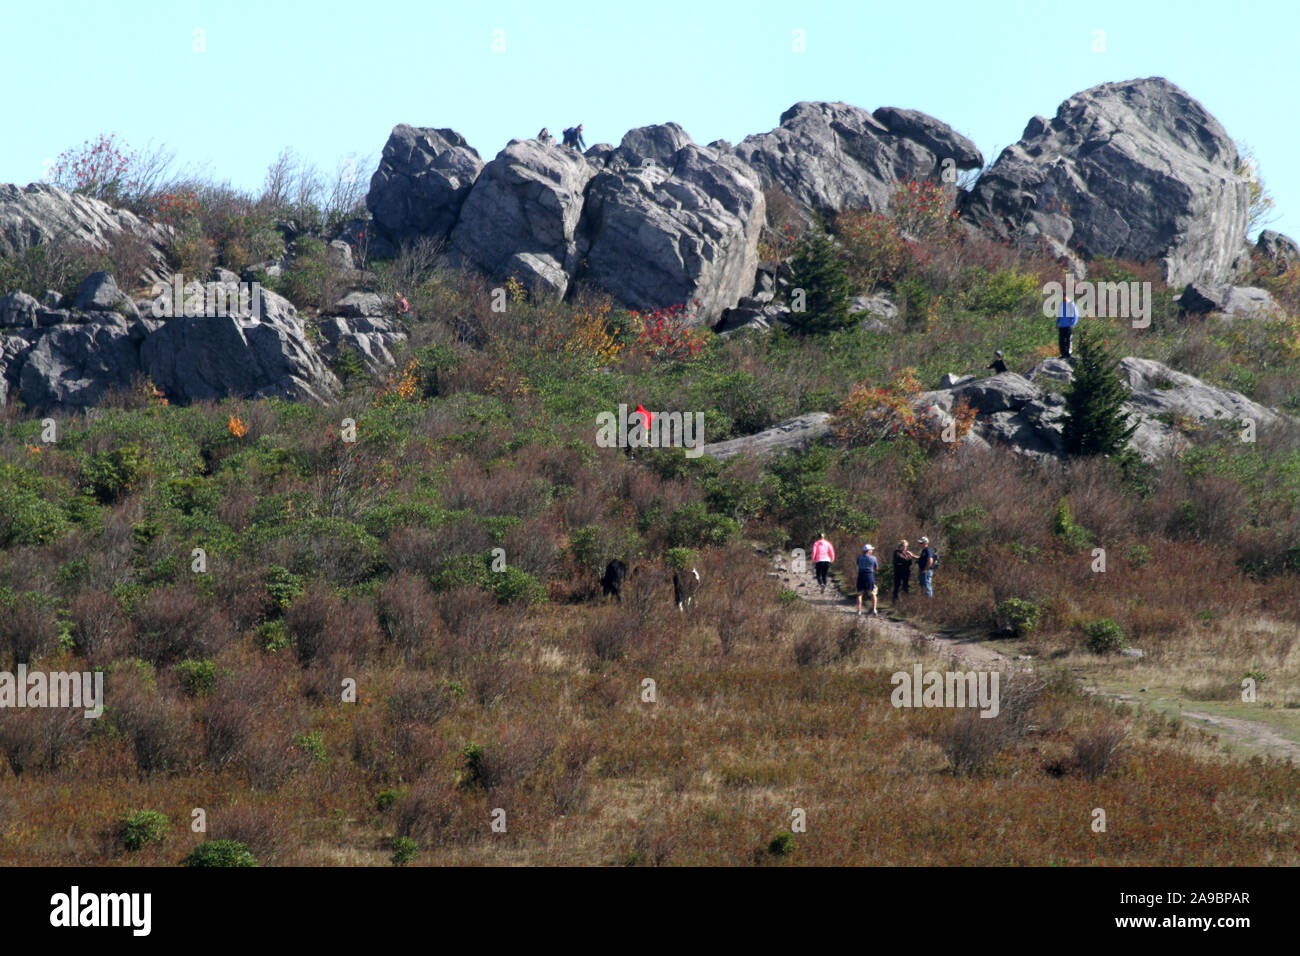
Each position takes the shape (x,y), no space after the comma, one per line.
(823,553)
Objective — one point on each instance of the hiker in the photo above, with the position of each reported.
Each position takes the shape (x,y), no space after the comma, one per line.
(925,566)
(823,553)
(903,569)
(403,307)
(997,364)
(573,137)
(1065,323)
(867,565)
(545,137)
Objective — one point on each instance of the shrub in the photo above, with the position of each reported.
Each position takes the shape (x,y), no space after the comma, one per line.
(1004,292)
(108,475)
(875,251)
(220,853)
(1095,750)
(140,827)
(404,850)
(1072,535)
(1018,615)
(1104,636)
(196,676)
(782,844)
(312,745)
(1096,422)
(29,627)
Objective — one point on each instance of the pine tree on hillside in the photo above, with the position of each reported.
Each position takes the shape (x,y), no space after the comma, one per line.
(819,272)
(1095,420)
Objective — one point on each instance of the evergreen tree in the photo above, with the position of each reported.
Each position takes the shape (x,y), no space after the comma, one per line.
(819,272)
(1095,420)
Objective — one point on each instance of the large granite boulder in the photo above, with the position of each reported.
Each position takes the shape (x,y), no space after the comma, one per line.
(18,309)
(1136,170)
(1281,251)
(1201,298)
(1156,389)
(373,339)
(423,178)
(832,156)
(521,217)
(98,292)
(269,356)
(73,366)
(681,230)
(795,433)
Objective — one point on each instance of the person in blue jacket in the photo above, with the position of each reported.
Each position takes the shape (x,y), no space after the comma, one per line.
(1066,319)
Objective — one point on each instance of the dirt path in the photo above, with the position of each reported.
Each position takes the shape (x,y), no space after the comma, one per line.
(966,653)
(1252,735)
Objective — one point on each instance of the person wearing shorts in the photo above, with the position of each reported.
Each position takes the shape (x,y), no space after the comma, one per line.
(867,565)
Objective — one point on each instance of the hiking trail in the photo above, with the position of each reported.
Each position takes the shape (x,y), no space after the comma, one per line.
(1253,736)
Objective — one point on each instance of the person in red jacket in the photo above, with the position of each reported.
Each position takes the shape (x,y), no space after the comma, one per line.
(823,554)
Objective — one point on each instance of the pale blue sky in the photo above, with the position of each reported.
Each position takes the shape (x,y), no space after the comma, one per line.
(331,79)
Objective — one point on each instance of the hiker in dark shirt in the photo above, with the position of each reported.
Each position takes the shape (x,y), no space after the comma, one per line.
(925,567)
(867,565)
(573,137)
(903,569)
(997,364)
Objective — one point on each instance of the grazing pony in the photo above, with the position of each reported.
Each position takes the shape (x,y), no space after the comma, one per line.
(612,582)
(685,586)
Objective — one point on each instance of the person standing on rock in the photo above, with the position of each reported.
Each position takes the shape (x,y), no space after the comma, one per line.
(823,553)
(573,137)
(867,565)
(997,364)
(903,569)
(545,137)
(1066,319)
(925,567)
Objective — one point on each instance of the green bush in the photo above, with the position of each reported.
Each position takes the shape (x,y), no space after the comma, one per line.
(694,524)
(273,636)
(282,585)
(220,853)
(140,827)
(817,269)
(1021,616)
(196,677)
(28,518)
(108,475)
(386,798)
(516,586)
(1005,292)
(312,744)
(787,596)
(782,844)
(1074,536)
(404,850)
(1105,636)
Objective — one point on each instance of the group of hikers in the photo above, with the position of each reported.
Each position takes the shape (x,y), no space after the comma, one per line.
(572,137)
(823,554)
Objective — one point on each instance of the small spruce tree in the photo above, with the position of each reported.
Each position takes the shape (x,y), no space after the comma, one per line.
(819,272)
(1095,420)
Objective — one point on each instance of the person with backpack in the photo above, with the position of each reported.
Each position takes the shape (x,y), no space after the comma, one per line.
(903,569)
(925,566)
(573,137)
(1065,323)
(823,553)
(867,565)
(997,364)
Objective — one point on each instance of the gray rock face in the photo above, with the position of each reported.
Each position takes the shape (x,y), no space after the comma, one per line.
(752,315)
(40,213)
(522,215)
(339,255)
(1282,251)
(357,305)
(680,232)
(794,433)
(13,351)
(1136,170)
(833,156)
(99,293)
(878,307)
(658,144)
(201,358)
(18,309)
(374,339)
(1012,410)
(75,365)
(1158,389)
(422,180)
(1200,298)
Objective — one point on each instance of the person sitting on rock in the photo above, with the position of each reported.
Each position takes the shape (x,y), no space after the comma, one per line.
(573,137)
(403,307)
(997,364)
(545,137)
